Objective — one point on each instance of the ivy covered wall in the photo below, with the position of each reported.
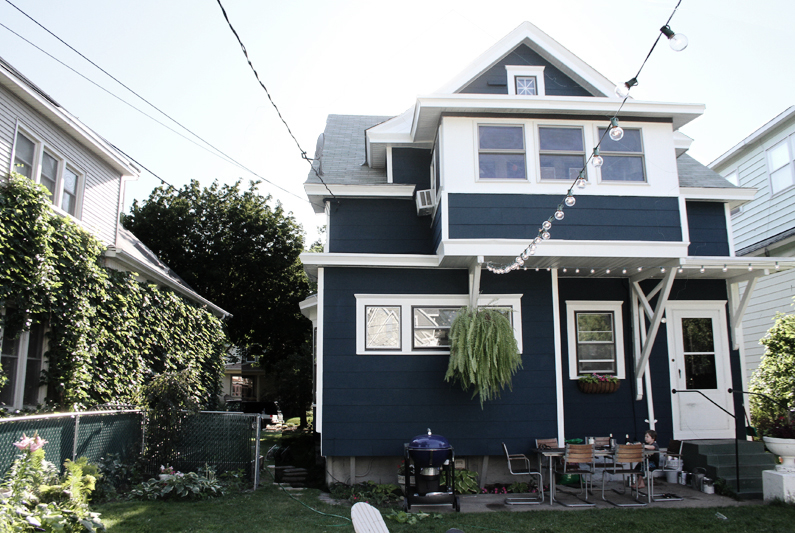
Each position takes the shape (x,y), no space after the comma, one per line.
(108,334)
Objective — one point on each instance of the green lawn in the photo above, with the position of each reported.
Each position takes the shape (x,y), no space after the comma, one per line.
(270,509)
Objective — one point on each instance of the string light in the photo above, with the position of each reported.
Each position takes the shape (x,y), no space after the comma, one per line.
(677,41)
(750,267)
(725,268)
(702,269)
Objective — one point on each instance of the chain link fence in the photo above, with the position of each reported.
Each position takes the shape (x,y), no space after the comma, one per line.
(226,441)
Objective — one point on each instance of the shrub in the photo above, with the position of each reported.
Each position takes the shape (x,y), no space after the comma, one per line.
(188,486)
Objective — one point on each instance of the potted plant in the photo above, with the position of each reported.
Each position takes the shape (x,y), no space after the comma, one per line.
(779,437)
(484,354)
(598,384)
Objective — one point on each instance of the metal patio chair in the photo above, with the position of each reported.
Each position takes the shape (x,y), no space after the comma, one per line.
(519,465)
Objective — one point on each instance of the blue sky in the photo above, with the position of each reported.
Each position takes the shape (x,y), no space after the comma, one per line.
(370,57)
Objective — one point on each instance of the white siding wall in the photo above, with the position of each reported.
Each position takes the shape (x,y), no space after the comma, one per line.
(101,193)
(765,216)
(460,160)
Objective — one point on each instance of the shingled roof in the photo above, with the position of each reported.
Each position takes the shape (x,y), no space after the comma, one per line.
(343,158)
(694,174)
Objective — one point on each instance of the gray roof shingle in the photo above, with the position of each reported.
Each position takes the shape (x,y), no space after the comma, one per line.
(343,156)
(694,174)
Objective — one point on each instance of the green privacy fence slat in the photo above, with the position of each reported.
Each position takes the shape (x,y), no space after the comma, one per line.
(223,440)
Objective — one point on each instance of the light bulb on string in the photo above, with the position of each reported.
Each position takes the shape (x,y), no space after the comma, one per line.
(546,224)
(581,181)
(622,89)
(702,270)
(559,213)
(616,132)
(725,268)
(607,271)
(532,249)
(677,41)
(546,236)
(569,201)
(597,160)
(537,240)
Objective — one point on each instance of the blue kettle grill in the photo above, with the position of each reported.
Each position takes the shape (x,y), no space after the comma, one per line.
(429,455)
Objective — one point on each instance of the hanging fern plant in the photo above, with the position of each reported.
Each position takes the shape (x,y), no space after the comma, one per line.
(483,352)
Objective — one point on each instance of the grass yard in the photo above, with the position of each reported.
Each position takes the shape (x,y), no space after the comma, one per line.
(270,509)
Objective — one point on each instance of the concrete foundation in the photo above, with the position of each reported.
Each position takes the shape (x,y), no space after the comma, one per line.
(778,485)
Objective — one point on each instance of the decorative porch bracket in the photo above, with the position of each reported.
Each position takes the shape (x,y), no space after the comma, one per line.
(738,303)
(655,317)
(474,281)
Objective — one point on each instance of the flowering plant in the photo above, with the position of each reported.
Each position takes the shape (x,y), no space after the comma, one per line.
(598,378)
(782,427)
(168,470)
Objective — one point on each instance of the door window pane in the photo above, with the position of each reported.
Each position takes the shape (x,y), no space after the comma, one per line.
(382,328)
(699,353)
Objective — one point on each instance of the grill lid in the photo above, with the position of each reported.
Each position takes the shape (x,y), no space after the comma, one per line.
(429,442)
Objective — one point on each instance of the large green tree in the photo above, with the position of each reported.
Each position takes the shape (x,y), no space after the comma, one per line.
(238,250)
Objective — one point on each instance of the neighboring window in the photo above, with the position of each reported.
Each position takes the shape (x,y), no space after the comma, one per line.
(383,328)
(501,152)
(431,326)
(596,338)
(525,80)
(63,181)
(21,361)
(380,329)
(561,153)
(733,178)
(242,387)
(779,165)
(526,85)
(623,160)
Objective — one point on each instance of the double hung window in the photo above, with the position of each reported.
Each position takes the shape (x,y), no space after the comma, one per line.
(61,179)
(501,152)
(623,159)
(561,153)
(595,334)
(779,166)
(21,361)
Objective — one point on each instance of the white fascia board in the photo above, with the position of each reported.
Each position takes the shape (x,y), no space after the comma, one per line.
(430,107)
(736,196)
(681,143)
(319,193)
(136,266)
(545,46)
(316,259)
(308,307)
(567,248)
(70,124)
(755,136)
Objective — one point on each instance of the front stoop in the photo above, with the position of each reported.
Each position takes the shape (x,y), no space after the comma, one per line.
(717,457)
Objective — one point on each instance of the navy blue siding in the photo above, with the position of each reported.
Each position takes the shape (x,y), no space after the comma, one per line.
(372,404)
(411,166)
(379,227)
(518,216)
(495,80)
(436,226)
(707,224)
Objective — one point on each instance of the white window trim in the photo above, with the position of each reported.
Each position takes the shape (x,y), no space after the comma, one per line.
(643,157)
(408,301)
(788,142)
(573,306)
(526,127)
(514,71)
(39,148)
(22,366)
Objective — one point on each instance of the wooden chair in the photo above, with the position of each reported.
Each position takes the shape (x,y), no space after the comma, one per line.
(622,461)
(519,465)
(578,459)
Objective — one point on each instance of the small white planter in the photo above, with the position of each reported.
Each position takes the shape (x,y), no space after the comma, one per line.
(784,448)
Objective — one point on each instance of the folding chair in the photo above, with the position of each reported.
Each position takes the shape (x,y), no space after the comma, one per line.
(625,455)
(523,469)
(578,459)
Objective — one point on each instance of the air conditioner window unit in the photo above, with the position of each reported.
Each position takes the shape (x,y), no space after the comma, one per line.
(425,202)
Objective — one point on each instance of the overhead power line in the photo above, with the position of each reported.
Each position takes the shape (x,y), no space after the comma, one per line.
(218,152)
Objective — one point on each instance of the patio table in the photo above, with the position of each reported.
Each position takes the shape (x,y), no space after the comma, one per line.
(599,451)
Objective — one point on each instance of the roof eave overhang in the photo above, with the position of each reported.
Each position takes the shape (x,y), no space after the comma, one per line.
(734,196)
(65,121)
(135,265)
(753,138)
(319,193)
(313,261)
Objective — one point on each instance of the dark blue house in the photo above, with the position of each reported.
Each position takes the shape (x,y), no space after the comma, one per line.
(440,207)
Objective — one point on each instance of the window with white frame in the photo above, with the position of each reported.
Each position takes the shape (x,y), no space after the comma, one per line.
(623,159)
(42,165)
(380,329)
(595,338)
(779,166)
(561,152)
(525,80)
(501,152)
(21,360)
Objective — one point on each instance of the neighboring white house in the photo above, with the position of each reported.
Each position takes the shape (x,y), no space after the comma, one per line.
(764,227)
(86,177)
